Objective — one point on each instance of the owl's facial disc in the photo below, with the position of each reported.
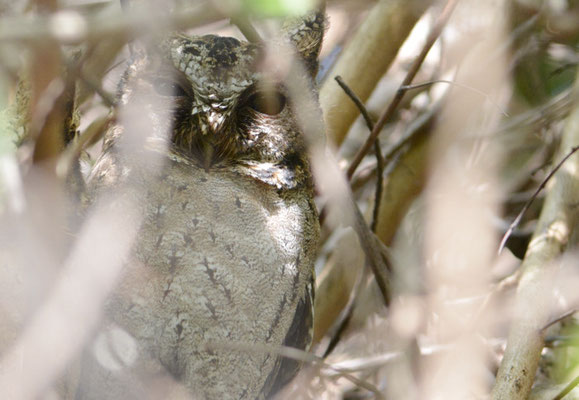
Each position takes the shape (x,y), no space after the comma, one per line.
(237,109)
(216,67)
(217,70)
(224,84)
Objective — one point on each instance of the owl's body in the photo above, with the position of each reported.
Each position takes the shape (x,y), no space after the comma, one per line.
(221,259)
(225,251)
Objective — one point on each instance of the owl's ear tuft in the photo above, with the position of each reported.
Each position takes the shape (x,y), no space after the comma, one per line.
(306,33)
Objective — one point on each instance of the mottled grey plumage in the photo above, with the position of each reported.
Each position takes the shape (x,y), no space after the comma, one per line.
(226,249)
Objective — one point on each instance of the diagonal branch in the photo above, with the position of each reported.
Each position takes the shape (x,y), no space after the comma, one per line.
(387,114)
(517,220)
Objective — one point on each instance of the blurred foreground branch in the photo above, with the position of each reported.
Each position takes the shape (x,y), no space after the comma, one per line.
(71,28)
(59,328)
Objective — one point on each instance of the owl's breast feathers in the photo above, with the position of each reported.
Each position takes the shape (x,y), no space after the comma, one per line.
(221,259)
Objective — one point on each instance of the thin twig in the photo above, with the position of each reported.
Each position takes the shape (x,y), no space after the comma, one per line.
(555,109)
(460,85)
(377,150)
(357,101)
(416,127)
(293,354)
(373,248)
(379,185)
(558,319)
(346,314)
(567,389)
(517,220)
(432,37)
(392,152)
(368,239)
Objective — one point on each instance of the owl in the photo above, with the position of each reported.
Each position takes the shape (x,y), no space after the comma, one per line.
(228,231)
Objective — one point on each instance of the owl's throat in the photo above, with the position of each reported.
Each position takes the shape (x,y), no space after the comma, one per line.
(206,154)
(207,148)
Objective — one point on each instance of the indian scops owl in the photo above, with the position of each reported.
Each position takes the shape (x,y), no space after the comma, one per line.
(229,234)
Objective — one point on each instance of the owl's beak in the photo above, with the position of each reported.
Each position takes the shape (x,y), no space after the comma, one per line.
(207,153)
(211,123)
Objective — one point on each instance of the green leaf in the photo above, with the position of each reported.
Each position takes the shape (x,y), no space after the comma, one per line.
(277,8)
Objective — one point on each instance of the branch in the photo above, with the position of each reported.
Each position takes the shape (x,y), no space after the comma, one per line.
(517,220)
(378,151)
(366,58)
(554,230)
(357,101)
(387,114)
(567,389)
(292,353)
(121,26)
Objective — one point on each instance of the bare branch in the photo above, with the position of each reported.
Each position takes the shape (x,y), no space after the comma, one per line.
(387,114)
(517,220)
(382,33)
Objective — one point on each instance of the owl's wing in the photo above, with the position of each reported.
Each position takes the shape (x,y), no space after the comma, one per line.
(299,336)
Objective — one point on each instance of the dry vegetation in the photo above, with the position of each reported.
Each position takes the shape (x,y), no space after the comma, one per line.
(464,138)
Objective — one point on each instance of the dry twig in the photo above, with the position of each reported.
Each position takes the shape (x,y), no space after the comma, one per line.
(377,150)
(382,33)
(387,114)
(517,220)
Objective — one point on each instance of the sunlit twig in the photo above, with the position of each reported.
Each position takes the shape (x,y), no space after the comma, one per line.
(460,85)
(567,389)
(517,220)
(387,114)
(377,150)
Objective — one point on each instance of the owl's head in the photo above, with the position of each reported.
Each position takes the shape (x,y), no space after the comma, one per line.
(226,104)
